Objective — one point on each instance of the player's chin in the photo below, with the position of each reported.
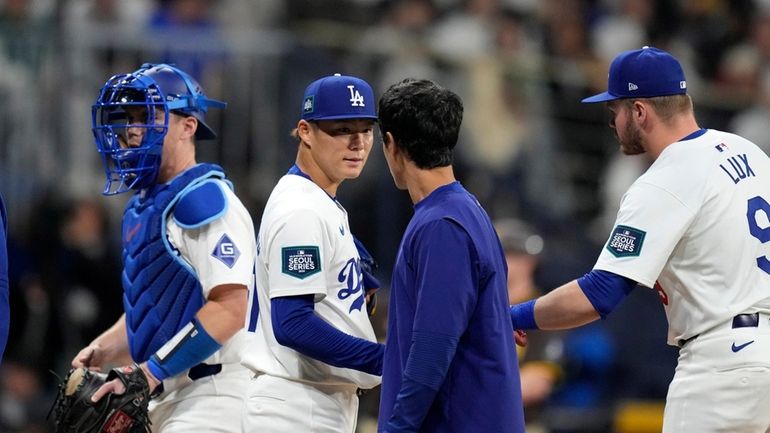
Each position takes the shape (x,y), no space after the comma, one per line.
(353,168)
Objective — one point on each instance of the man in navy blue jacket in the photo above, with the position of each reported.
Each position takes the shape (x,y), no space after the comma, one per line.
(450,358)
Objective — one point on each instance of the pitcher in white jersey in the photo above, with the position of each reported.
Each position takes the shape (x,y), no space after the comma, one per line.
(695,228)
(314,345)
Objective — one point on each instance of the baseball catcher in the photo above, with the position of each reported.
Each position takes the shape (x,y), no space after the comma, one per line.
(79,408)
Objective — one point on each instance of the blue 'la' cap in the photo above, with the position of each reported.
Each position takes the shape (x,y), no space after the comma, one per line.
(338,97)
(644,73)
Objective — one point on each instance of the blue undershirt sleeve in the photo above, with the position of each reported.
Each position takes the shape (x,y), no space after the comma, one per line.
(296,325)
(190,346)
(523,315)
(605,290)
(426,368)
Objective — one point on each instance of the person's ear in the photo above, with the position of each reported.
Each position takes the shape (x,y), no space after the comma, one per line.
(304,129)
(189,126)
(639,112)
(387,139)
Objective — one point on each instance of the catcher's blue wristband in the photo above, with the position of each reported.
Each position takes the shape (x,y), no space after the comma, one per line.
(189,347)
(523,315)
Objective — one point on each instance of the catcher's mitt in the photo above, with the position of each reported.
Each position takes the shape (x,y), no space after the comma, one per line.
(114,413)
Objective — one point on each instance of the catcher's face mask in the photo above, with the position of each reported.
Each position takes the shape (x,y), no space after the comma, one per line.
(143,100)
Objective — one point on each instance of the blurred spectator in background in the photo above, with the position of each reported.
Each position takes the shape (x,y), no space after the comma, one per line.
(193,38)
(26,33)
(624,26)
(753,122)
(540,361)
(34,343)
(89,275)
(27,38)
(566,376)
(62,277)
(104,17)
(397,46)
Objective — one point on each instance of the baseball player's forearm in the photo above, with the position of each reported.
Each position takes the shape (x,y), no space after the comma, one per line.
(225,311)
(115,339)
(296,325)
(219,319)
(108,348)
(564,307)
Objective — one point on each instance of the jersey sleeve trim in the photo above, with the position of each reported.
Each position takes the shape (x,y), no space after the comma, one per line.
(625,273)
(319,292)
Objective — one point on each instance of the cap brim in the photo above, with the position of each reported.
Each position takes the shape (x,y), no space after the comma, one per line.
(601,97)
(204,132)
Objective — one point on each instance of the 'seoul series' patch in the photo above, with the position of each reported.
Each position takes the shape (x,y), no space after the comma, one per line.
(300,262)
(626,241)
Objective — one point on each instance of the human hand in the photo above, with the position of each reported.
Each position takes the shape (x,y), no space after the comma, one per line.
(91,357)
(118,385)
(520,337)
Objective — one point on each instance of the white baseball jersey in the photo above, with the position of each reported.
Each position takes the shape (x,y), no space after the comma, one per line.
(695,227)
(220,252)
(305,247)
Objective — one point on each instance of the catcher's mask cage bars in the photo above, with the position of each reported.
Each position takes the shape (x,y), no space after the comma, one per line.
(135,167)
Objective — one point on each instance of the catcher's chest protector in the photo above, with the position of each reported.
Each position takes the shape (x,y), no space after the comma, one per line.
(161,293)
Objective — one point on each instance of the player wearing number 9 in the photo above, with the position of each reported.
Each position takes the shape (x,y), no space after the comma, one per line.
(695,228)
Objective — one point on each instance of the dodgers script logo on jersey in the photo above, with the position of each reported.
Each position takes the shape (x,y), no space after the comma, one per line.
(626,241)
(352,275)
(301,262)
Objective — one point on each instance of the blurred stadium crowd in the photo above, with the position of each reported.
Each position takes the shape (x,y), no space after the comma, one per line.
(529,150)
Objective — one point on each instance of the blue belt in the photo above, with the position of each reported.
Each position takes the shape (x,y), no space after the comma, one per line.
(204,370)
(746,320)
(197,372)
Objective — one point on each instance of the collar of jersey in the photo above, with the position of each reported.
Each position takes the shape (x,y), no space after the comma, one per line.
(298,171)
(450,187)
(695,134)
(295,170)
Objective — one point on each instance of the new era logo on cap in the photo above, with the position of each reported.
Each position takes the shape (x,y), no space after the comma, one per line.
(644,73)
(338,97)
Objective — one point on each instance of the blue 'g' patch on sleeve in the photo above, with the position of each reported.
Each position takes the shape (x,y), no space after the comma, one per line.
(226,251)
(200,205)
(626,241)
(300,262)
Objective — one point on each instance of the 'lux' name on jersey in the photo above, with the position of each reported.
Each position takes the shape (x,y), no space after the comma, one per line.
(737,167)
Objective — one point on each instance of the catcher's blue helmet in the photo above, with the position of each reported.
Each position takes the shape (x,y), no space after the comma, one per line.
(151,89)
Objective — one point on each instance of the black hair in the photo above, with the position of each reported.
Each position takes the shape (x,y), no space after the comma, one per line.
(424,119)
